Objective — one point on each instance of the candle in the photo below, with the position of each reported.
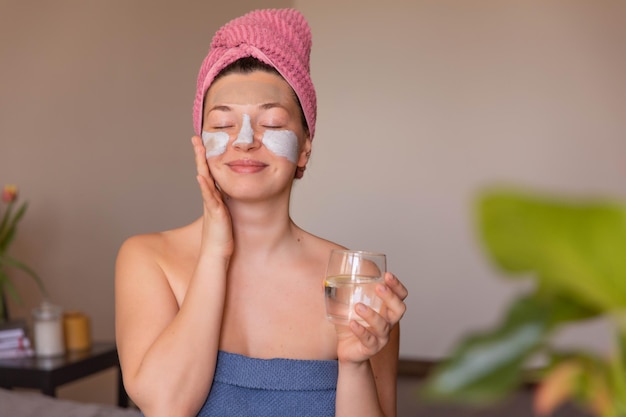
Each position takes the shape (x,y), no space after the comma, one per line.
(77,331)
(48,330)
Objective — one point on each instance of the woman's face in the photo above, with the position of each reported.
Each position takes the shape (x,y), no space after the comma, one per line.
(253,133)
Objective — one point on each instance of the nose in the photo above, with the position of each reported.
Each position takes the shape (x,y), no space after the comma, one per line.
(245,138)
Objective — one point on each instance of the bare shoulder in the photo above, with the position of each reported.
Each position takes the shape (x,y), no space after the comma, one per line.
(148,287)
(315,245)
(162,260)
(138,269)
(158,248)
(147,245)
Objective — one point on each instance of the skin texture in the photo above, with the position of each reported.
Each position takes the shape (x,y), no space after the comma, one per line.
(243,277)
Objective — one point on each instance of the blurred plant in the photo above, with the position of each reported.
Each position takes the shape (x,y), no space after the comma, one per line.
(575,251)
(8,228)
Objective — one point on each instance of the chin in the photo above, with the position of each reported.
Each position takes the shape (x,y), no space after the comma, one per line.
(253,193)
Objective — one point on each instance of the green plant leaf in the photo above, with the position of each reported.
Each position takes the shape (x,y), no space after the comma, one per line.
(7,231)
(6,216)
(8,261)
(9,288)
(572,247)
(618,373)
(487,366)
(564,309)
(19,214)
(7,238)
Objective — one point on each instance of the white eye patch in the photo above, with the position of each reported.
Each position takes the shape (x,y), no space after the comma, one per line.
(282,143)
(215,143)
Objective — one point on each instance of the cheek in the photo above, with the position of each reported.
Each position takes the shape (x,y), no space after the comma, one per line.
(282,143)
(214,143)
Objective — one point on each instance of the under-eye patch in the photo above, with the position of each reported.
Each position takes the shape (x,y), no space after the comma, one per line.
(215,143)
(282,143)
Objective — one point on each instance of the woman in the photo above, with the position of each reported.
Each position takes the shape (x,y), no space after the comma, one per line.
(225,316)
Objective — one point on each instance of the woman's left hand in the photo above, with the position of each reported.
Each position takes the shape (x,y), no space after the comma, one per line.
(358,343)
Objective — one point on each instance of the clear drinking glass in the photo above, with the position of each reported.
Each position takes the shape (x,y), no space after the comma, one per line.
(351,278)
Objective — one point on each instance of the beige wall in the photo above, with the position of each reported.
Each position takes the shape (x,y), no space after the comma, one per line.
(421,104)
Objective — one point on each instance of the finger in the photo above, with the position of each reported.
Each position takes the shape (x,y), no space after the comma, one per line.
(207,185)
(206,190)
(367,339)
(394,306)
(396,286)
(378,325)
(202,165)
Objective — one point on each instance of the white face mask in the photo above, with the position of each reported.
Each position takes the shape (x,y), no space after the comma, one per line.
(282,143)
(215,143)
(246,134)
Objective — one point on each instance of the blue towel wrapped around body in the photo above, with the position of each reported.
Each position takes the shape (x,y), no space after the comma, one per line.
(244,386)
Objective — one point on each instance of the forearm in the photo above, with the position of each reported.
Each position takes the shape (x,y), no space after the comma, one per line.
(176,371)
(356,391)
(368,357)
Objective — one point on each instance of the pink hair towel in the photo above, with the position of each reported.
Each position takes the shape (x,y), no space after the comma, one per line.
(280,38)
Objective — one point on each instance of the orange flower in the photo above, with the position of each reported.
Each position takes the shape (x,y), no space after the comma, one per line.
(9,193)
(557,387)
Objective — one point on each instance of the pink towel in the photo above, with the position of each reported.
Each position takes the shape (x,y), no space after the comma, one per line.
(278,37)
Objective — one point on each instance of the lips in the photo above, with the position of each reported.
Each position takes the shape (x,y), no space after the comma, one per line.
(246,165)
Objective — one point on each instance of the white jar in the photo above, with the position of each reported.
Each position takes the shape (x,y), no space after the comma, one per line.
(48,330)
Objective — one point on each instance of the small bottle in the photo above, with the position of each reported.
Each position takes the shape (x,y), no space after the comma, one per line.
(48,330)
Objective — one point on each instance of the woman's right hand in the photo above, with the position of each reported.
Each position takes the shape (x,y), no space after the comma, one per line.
(217,230)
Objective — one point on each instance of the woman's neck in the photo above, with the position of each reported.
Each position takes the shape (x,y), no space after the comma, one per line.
(261,226)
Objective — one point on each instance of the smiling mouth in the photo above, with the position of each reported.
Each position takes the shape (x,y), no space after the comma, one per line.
(246,163)
(246,166)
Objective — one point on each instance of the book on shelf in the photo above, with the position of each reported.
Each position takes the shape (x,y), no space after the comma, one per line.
(11,334)
(16,353)
(14,342)
(12,329)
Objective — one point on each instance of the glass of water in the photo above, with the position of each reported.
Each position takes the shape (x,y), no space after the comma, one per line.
(351,278)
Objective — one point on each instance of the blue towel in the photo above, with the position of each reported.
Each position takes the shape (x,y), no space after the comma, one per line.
(245,386)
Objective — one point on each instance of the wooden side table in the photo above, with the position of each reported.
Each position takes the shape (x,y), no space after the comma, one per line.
(46,374)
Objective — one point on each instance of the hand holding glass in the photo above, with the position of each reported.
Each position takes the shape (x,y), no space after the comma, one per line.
(351,278)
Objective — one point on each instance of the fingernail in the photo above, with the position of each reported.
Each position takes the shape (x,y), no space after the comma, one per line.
(382,288)
(361,308)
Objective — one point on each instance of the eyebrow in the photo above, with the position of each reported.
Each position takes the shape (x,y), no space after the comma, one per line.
(219,107)
(268,106)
